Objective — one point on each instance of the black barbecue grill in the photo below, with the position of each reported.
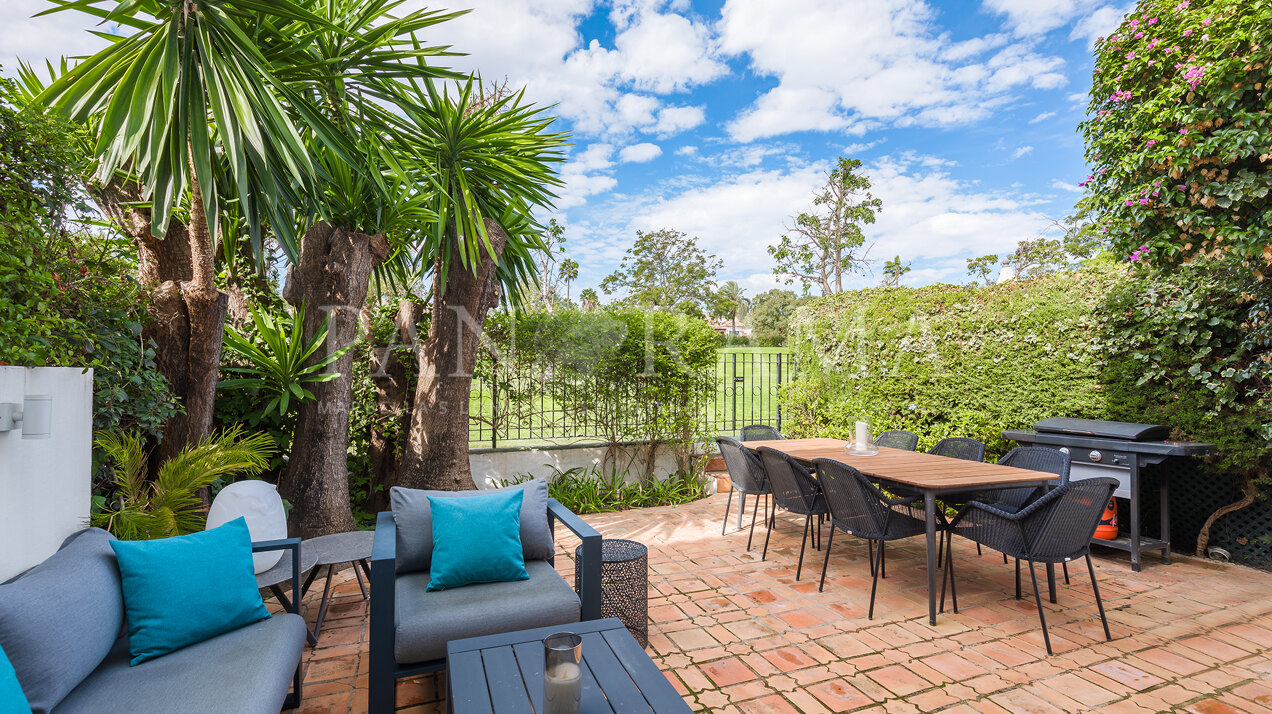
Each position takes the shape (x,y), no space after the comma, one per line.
(1117,449)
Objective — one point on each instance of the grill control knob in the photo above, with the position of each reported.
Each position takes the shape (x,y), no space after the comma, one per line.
(1095,456)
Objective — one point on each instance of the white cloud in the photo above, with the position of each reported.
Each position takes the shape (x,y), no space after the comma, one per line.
(673,120)
(1021,151)
(1042,117)
(1098,24)
(34,39)
(1065,186)
(687,150)
(582,175)
(894,70)
(929,218)
(1033,17)
(639,153)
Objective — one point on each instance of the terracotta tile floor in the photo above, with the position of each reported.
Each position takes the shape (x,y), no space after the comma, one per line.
(734,634)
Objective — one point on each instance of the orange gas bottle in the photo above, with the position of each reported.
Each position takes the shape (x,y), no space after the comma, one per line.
(1107,530)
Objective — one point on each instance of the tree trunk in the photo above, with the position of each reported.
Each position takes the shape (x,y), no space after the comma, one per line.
(437,450)
(394,379)
(187,320)
(330,280)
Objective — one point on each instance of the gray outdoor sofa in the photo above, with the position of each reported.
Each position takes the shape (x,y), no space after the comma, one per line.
(410,626)
(62,627)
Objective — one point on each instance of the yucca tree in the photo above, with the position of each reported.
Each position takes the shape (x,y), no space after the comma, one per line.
(187,97)
(491,160)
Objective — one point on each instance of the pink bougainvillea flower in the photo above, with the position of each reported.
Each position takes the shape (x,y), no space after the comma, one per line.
(1156,192)
(1139,35)
(1206,21)
(1187,32)
(1183,187)
(1134,23)
(1205,37)
(1150,143)
(1152,21)
(1183,132)
(1130,202)
(1143,201)
(1130,55)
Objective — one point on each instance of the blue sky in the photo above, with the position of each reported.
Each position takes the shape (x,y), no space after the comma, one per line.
(719,118)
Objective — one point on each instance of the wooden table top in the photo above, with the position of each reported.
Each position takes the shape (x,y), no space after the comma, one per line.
(918,469)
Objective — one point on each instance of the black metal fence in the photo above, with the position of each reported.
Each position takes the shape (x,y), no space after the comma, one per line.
(511,407)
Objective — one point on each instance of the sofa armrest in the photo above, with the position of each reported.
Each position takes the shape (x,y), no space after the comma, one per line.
(292,545)
(590,587)
(383,606)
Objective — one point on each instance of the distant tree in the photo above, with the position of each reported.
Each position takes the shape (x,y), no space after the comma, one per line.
(568,273)
(770,315)
(733,303)
(589,299)
(665,270)
(1035,257)
(982,268)
(825,245)
(1082,237)
(547,266)
(893,270)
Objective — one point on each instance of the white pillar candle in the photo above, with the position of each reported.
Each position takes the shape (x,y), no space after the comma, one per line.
(561,689)
(863,435)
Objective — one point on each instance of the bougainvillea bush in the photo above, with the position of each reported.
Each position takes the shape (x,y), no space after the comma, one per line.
(1179,134)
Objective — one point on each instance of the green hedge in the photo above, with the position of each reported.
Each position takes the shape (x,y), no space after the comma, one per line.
(1105,342)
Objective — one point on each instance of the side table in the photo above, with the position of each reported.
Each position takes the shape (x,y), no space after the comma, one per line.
(624,584)
(335,549)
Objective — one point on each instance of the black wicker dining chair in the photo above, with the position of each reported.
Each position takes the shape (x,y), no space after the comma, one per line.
(760,432)
(957,447)
(898,439)
(859,508)
(1034,458)
(1056,528)
(748,478)
(794,489)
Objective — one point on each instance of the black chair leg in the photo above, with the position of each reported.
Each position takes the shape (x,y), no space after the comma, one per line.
(948,571)
(1065,568)
(872,558)
(808,522)
(769,533)
(1017,577)
(978,550)
(726,512)
(874,583)
(883,562)
(1004,558)
(826,561)
(1042,617)
(1098,602)
(755,508)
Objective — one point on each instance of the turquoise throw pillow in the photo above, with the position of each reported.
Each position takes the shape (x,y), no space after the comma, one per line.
(11,697)
(476,540)
(184,590)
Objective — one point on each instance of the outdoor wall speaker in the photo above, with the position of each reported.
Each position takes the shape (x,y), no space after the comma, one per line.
(34,416)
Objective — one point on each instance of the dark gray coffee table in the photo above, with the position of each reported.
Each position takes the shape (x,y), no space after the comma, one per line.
(337,549)
(282,572)
(495,674)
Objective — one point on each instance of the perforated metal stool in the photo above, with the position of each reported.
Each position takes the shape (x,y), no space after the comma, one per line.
(624,584)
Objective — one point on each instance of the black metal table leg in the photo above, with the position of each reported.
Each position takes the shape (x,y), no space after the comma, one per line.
(1135,514)
(929,507)
(1163,486)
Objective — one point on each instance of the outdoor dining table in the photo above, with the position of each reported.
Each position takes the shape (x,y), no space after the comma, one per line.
(933,476)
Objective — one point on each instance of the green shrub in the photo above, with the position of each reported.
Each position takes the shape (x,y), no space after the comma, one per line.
(1105,342)
(590,490)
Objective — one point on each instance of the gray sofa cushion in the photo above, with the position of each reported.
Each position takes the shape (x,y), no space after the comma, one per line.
(246,671)
(414,521)
(426,621)
(59,619)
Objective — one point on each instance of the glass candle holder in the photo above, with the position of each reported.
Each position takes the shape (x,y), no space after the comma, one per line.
(562,673)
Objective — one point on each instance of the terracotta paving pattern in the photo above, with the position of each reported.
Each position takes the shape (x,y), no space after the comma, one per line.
(736,634)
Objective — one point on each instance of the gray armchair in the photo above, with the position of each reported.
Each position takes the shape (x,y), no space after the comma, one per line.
(411,626)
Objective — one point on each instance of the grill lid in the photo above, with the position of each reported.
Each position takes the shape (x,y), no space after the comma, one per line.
(1104,429)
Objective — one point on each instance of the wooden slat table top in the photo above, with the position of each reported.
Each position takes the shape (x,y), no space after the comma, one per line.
(918,469)
(504,673)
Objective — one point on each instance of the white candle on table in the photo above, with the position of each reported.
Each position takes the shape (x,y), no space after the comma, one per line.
(561,688)
(863,435)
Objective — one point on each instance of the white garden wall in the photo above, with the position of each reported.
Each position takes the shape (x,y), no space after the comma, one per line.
(45,484)
(488,465)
